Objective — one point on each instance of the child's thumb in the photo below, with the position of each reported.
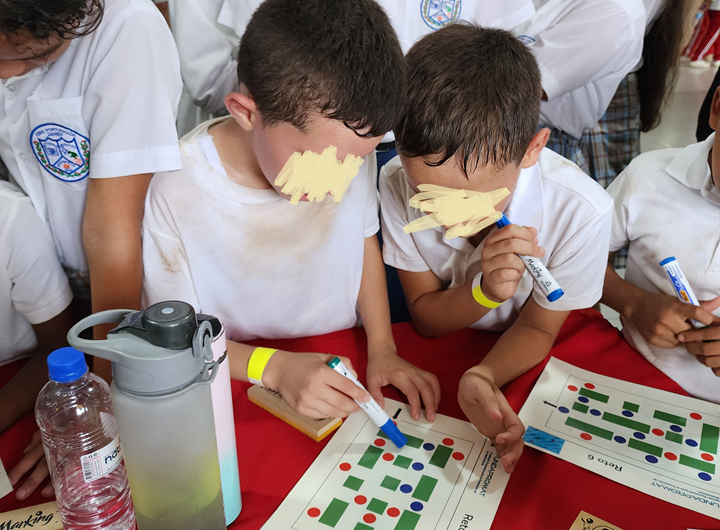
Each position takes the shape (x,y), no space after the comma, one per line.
(489,402)
(711,305)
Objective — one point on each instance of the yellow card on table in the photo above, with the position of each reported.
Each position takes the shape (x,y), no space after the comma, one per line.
(45,516)
(585,521)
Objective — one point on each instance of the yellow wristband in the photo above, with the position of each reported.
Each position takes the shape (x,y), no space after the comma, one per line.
(480,297)
(257,363)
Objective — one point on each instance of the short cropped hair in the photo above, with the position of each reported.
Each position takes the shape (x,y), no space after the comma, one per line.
(473,93)
(43,19)
(339,58)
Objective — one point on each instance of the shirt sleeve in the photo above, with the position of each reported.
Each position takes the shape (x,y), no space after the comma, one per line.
(372,204)
(592,40)
(579,264)
(399,248)
(618,190)
(166,269)
(40,289)
(132,95)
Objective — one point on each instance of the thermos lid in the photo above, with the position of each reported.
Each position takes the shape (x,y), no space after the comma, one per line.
(66,365)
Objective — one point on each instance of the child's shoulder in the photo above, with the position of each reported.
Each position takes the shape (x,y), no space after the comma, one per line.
(12,199)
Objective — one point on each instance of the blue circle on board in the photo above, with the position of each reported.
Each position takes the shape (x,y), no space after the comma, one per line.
(406,488)
(416,506)
(639,435)
(428,446)
(675,428)
(564,410)
(627,414)
(417,466)
(652,459)
(620,439)
(691,442)
(583,399)
(705,476)
(595,412)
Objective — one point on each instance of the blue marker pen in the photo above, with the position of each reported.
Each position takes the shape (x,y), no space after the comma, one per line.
(377,415)
(538,271)
(682,287)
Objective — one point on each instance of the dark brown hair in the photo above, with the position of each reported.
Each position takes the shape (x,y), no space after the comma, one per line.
(340,58)
(661,51)
(43,19)
(473,93)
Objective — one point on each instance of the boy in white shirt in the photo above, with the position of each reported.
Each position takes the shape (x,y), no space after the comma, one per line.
(35,310)
(474,99)
(89,80)
(268,268)
(667,203)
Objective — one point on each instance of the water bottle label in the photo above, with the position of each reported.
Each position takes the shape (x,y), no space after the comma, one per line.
(103,461)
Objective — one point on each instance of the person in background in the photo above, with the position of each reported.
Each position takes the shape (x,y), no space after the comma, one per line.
(704,51)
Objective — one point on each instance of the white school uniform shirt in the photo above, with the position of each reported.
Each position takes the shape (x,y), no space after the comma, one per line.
(111,97)
(33,286)
(570,212)
(585,48)
(667,205)
(264,267)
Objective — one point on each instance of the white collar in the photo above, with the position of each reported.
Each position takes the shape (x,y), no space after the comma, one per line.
(691,166)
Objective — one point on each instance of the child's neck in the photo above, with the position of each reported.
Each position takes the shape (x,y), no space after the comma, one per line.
(480,236)
(236,153)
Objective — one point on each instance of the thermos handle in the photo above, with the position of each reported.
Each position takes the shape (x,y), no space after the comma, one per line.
(98,348)
(208,374)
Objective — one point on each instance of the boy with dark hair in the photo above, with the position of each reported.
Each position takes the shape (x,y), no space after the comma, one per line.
(474,98)
(315,75)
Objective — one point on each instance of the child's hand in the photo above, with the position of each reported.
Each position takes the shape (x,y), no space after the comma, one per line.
(387,368)
(501,267)
(311,387)
(660,318)
(34,458)
(707,353)
(488,410)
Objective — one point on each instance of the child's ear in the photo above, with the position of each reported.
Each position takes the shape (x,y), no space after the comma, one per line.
(242,107)
(537,144)
(715,110)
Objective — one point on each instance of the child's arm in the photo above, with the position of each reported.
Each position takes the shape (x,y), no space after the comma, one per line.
(113,245)
(436,311)
(521,347)
(385,367)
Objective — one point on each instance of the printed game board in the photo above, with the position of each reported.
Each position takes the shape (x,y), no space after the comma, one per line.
(660,443)
(448,475)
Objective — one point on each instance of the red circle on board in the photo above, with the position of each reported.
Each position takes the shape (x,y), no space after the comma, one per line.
(314,512)
(585,436)
(388,457)
(458,456)
(589,385)
(707,457)
(448,441)
(393,512)
(360,499)
(379,442)
(345,466)
(658,432)
(670,456)
(395,423)
(369,518)
(695,416)
(572,388)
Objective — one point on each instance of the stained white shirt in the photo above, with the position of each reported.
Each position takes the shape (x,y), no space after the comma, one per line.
(585,48)
(111,97)
(667,205)
(33,286)
(264,267)
(570,212)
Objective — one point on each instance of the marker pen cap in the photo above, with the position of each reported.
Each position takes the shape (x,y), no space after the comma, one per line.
(555,295)
(392,432)
(667,260)
(502,222)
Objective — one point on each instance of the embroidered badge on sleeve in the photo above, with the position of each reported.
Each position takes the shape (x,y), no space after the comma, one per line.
(62,152)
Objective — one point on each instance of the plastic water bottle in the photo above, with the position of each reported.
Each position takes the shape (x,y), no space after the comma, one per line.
(75,414)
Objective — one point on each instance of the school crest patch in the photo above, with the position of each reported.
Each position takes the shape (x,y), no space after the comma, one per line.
(440,13)
(62,152)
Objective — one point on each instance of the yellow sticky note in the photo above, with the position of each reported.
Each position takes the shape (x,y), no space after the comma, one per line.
(465,212)
(317,175)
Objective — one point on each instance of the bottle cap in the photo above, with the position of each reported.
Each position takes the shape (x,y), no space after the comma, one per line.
(66,365)
(392,432)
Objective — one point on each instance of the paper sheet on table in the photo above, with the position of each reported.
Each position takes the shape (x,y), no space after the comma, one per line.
(45,516)
(5,486)
(585,521)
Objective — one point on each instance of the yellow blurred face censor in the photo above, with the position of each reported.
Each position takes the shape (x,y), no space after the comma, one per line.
(316,176)
(465,212)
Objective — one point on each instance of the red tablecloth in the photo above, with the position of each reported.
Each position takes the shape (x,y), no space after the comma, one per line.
(543,493)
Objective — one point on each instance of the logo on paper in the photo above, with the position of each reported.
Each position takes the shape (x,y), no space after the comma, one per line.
(440,13)
(62,152)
